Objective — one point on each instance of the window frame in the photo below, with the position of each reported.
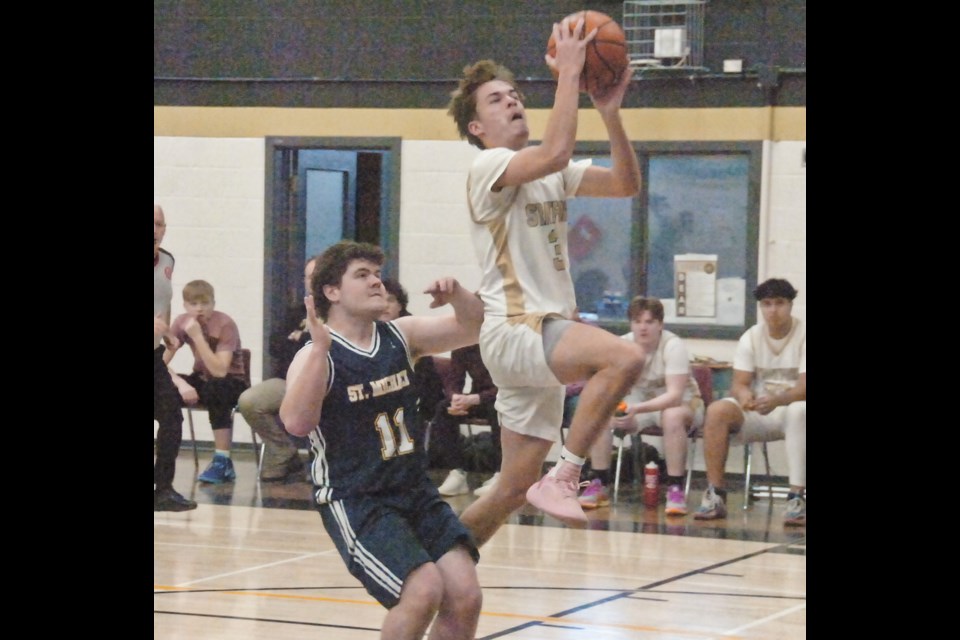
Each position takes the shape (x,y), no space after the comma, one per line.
(640,228)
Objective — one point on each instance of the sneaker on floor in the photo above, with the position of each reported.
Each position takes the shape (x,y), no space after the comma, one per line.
(711,506)
(292,469)
(455,484)
(558,498)
(487,486)
(170,500)
(676,501)
(219,471)
(594,496)
(796,513)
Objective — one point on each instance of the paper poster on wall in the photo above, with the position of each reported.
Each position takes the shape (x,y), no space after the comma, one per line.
(695,284)
(731,300)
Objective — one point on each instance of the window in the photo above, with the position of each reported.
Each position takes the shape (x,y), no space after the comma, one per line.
(690,238)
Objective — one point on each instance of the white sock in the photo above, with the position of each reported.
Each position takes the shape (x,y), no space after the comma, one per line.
(567,458)
(221,452)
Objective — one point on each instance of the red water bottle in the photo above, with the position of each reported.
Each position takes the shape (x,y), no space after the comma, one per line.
(651,484)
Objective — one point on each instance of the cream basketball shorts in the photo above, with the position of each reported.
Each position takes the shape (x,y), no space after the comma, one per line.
(529,397)
(757,427)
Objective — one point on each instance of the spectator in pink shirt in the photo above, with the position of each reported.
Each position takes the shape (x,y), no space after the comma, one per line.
(217,378)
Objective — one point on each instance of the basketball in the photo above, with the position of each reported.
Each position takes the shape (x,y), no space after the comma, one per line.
(606,54)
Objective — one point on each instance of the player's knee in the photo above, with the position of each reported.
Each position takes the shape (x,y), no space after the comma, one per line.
(464,600)
(423,589)
(629,361)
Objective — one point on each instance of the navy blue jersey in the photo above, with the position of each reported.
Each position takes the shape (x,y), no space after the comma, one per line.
(367,440)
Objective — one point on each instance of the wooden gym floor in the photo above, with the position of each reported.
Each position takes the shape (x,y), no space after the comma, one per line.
(253,561)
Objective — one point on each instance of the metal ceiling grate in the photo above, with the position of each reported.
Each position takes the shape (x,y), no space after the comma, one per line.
(663,33)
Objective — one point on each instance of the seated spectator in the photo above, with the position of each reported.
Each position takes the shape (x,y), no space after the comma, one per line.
(260,404)
(452,410)
(665,394)
(217,378)
(767,401)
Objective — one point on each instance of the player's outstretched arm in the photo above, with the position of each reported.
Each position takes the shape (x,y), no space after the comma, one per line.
(622,179)
(560,135)
(307,378)
(437,334)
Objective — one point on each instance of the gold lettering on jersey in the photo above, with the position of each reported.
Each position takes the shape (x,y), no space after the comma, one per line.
(540,214)
(355,392)
(390,384)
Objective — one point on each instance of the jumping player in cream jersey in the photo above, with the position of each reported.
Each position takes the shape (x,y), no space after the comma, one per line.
(517,197)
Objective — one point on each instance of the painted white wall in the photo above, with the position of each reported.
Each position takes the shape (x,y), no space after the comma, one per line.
(212,192)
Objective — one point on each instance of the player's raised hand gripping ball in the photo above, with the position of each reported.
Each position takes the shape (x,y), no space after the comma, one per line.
(606,54)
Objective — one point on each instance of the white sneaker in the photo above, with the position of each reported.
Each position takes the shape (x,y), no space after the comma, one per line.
(485,488)
(455,484)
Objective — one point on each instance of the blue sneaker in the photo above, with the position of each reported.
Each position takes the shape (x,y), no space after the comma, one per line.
(711,506)
(796,513)
(219,471)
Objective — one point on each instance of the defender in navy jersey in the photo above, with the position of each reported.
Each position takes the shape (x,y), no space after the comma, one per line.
(352,391)
(367,441)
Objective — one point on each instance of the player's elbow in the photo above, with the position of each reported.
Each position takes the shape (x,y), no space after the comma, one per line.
(559,161)
(472,325)
(294,424)
(627,188)
(298,430)
(555,157)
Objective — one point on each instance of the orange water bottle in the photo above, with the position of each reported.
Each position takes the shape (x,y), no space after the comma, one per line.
(651,484)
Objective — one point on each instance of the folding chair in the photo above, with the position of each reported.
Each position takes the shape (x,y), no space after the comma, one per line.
(245,357)
(704,377)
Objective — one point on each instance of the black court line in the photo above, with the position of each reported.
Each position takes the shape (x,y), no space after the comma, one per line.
(249,619)
(628,594)
(722,594)
(617,594)
(258,589)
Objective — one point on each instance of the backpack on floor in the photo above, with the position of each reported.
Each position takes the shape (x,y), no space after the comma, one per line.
(645,453)
(480,454)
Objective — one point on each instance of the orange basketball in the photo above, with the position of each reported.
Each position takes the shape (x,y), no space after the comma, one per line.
(606,54)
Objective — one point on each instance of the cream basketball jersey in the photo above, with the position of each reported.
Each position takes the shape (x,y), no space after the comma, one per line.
(520,237)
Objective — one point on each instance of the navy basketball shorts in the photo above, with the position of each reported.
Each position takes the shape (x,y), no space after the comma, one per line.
(382,538)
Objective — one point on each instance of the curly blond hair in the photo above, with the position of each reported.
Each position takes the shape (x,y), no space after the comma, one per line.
(463,101)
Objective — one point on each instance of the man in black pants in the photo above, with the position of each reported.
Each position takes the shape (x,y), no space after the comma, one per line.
(445,447)
(167,404)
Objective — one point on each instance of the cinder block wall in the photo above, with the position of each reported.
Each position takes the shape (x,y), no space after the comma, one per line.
(211,188)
